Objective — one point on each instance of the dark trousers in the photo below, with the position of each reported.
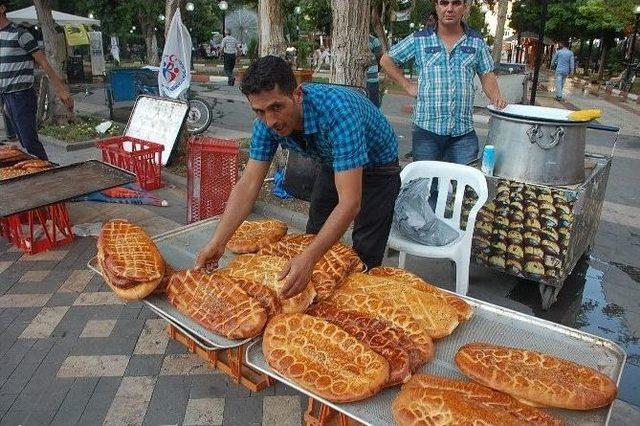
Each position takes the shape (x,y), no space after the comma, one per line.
(380,188)
(8,128)
(373,90)
(21,107)
(229,65)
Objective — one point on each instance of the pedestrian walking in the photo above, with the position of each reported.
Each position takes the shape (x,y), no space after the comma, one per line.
(230,51)
(359,179)
(447,59)
(373,80)
(18,51)
(564,63)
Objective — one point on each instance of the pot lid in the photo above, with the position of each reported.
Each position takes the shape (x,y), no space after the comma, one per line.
(536,113)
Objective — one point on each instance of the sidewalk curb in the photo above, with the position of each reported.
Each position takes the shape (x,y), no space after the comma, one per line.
(596,90)
(74,146)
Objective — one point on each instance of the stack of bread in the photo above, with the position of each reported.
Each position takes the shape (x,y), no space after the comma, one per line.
(130,261)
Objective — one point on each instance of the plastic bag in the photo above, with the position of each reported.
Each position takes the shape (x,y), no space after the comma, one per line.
(414,219)
(278,186)
(174,77)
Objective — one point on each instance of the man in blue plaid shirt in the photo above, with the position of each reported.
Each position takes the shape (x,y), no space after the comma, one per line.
(356,146)
(447,58)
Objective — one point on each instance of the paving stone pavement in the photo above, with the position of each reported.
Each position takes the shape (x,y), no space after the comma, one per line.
(77,355)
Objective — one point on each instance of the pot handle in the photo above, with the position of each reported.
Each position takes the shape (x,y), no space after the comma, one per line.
(536,136)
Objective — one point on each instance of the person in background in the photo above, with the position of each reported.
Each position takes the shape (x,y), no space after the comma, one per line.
(230,50)
(325,58)
(359,178)
(447,58)
(9,133)
(564,63)
(373,81)
(18,51)
(432,20)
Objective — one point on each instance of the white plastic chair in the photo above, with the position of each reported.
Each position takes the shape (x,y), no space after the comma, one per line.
(459,250)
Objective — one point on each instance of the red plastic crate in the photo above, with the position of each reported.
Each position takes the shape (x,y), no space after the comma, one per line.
(212,171)
(39,229)
(140,157)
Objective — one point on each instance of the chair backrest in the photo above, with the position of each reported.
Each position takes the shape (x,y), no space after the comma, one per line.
(447,174)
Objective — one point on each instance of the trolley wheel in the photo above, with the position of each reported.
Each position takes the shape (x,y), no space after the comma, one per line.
(199,116)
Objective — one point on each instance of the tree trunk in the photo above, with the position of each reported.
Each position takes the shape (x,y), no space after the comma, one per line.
(378,27)
(150,40)
(350,55)
(587,66)
(271,28)
(503,8)
(169,10)
(58,113)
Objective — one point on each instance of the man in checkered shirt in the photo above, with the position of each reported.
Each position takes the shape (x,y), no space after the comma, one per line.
(447,58)
(358,151)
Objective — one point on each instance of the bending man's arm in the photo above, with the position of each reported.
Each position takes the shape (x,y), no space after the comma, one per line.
(396,74)
(240,204)
(491,88)
(61,88)
(299,269)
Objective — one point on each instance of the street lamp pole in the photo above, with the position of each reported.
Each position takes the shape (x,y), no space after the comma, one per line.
(539,53)
(223,5)
(190,8)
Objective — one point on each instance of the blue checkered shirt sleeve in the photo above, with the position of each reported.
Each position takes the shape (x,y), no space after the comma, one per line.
(485,61)
(346,136)
(403,51)
(263,144)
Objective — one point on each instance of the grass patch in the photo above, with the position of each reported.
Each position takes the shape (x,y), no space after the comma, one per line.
(82,130)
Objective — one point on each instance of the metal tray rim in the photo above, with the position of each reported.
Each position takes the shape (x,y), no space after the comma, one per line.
(195,339)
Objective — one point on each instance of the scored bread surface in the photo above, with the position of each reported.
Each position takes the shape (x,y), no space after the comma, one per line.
(216,304)
(323,358)
(536,377)
(265,270)
(251,236)
(436,317)
(129,252)
(331,269)
(380,336)
(434,400)
(462,308)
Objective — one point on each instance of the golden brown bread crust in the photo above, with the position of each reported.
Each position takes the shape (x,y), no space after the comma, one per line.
(329,272)
(251,236)
(378,335)
(462,308)
(435,316)
(378,308)
(124,289)
(265,270)
(433,400)
(262,294)
(323,358)
(129,252)
(533,376)
(216,304)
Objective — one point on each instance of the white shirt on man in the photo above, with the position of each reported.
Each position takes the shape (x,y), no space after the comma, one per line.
(230,45)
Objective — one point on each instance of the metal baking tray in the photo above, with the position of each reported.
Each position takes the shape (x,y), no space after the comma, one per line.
(179,248)
(59,184)
(187,333)
(492,324)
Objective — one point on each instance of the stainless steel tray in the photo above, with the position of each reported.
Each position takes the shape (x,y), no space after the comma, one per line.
(195,339)
(179,248)
(492,324)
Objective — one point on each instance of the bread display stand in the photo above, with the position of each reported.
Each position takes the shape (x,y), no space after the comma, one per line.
(491,324)
(179,248)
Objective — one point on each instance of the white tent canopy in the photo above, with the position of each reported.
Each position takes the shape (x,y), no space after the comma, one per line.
(28,16)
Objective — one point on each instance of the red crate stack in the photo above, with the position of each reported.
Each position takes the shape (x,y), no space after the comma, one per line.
(212,171)
(140,157)
(39,229)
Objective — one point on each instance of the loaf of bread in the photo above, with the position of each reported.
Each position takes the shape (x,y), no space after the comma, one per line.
(536,378)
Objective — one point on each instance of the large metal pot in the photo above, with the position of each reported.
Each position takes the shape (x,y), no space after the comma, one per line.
(537,145)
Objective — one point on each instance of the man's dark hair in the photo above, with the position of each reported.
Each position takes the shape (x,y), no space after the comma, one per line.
(265,74)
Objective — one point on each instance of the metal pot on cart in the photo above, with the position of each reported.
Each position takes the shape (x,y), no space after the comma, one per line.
(545,198)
